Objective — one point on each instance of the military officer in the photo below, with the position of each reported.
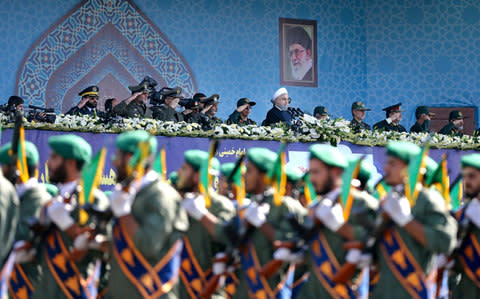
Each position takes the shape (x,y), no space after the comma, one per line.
(392,121)
(192,112)
(205,236)
(455,124)
(167,111)
(423,116)
(69,241)
(415,234)
(149,217)
(358,114)
(468,286)
(32,196)
(210,108)
(135,106)
(271,224)
(88,103)
(279,111)
(327,165)
(320,112)
(240,115)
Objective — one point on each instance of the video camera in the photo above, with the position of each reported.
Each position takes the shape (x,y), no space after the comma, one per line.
(41,114)
(8,110)
(158,97)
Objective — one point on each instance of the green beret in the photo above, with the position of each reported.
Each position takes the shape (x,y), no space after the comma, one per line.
(262,158)
(30,149)
(471,160)
(71,146)
(431,167)
(294,174)
(173,177)
(227,168)
(402,150)
(51,189)
(197,158)
(329,155)
(366,171)
(128,141)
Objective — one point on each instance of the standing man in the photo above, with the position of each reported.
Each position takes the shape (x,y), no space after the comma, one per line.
(167,111)
(423,116)
(416,233)
(32,196)
(455,124)
(358,113)
(88,103)
(240,115)
(135,106)
(299,50)
(205,236)
(15,103)
(467,265)
(392,121)
(279,112)
(67,244)
(149,223)
(320,113)
(210,108)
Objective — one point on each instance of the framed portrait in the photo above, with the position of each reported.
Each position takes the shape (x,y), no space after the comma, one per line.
(298,52)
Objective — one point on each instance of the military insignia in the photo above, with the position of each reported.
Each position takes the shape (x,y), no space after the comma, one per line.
(94,88)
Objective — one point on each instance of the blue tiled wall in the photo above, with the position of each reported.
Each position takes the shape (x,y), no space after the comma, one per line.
(417,52)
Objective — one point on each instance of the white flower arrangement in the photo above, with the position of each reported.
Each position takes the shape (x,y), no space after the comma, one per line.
(310,130)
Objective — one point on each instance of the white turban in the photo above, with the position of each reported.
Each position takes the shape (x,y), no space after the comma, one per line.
(279,92)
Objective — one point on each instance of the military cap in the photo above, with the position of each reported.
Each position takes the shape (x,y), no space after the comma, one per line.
(395,108)
(294,174)
(213,99)
(244,101)
(402,150)
(171,92)
(320,110)
(423,110)
(199,96)
(146,85)
(329,155)
(431,167)
(15,100)
(471,160)
(51,189)
(30,149)
(227,168)
(359,105)
(262,158)
(91,91)
(366,170)
(128,141)
(197,158)
(71,146)
(455,115)
(298,35)
(173,177)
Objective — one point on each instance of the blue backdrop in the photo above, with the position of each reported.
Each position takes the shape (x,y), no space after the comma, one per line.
(417,52)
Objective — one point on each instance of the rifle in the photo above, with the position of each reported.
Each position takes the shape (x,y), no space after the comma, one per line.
(13,175)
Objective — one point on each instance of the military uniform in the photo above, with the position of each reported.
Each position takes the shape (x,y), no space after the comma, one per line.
(133,110)
(359,126)
(157,209)
(425,126)
(449,130)
(384,125)
(234,118)
(167,113)
(419,128)
(214,121)
(9,217)
(91,91)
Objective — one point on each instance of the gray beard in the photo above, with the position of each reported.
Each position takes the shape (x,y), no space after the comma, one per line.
(298,72)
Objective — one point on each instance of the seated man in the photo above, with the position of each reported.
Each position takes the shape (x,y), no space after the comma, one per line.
(320,113)
(358,113)
(279,112)
(167,111)
(455,124)
(88,103)
(240,115)
(392,122)
(135,106)
(423,116)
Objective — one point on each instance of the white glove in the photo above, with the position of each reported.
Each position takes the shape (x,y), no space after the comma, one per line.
(25,255)
(443,261)
(257,214)
(331,215)
(121,201)
(398,209)
(194,205)
(286,255)
(219,267)
(81,241)
(58,212)
(473,212)
(355,256)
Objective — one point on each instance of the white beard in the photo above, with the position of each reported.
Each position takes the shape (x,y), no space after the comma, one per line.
(298,72)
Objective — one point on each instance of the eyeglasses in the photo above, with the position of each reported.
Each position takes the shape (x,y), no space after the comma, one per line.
(295,52)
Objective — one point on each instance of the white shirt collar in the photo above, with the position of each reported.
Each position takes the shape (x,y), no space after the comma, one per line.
(67,189)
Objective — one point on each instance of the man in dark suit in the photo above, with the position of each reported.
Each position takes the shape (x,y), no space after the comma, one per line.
(392,120)
(279,112)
